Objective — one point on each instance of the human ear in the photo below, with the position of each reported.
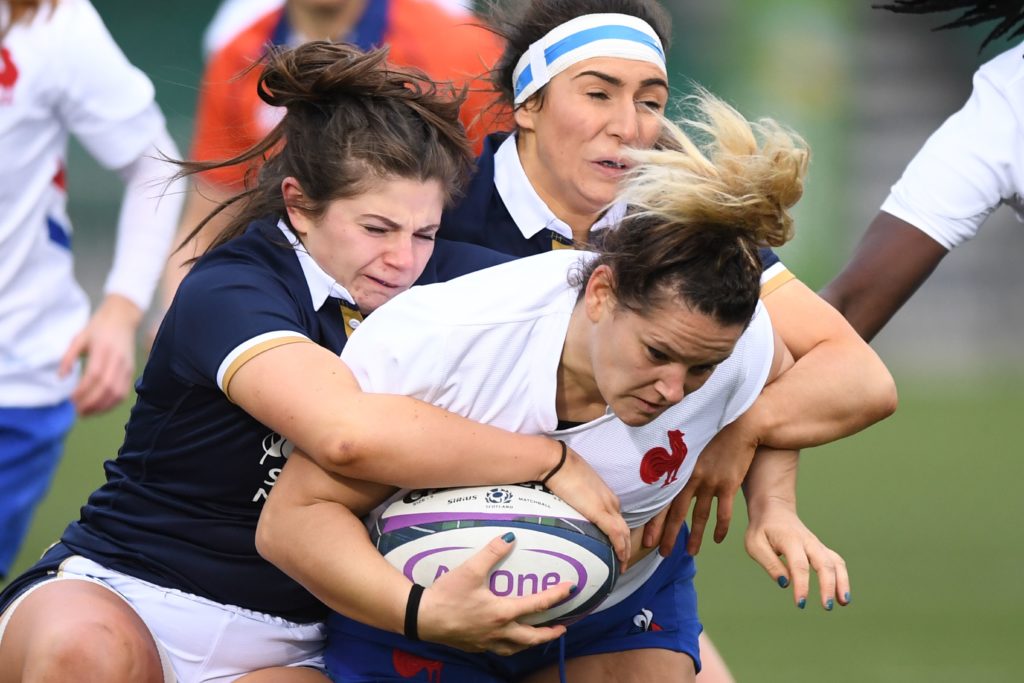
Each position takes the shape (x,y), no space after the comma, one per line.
(599,294)
(525,113)
(294,199)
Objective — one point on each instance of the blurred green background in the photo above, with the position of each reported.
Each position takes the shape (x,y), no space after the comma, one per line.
(924,506)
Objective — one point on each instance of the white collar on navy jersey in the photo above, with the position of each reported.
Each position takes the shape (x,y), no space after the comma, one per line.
(528,210)
(321,285)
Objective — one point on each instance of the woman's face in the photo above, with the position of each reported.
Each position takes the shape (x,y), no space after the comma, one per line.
(375,244)
(572,145)
(645,363)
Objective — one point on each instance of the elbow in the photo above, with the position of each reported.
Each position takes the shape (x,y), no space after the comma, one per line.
(267,536)
(880,394)
(340,454)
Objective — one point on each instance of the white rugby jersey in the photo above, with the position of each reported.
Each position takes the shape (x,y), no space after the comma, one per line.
(487,346)
(60,73)
(972,163)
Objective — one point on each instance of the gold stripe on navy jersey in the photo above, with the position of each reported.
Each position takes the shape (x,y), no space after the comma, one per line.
(775,282)
(352,317)
(560,241)
(254,351)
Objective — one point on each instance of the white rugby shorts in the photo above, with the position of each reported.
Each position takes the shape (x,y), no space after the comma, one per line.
(200,641)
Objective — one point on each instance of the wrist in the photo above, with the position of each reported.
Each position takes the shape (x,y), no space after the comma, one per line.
(123,309)
(412,611)
(563,454)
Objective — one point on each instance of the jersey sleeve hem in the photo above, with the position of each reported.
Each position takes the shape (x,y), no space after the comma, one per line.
(251,348)
(774,277)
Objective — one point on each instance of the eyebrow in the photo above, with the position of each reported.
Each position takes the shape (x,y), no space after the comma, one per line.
(388,223)
(618,82)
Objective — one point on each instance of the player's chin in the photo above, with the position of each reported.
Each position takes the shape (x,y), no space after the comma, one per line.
(635,418)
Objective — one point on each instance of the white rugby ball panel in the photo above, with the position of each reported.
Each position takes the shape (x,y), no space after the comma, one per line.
(430,532)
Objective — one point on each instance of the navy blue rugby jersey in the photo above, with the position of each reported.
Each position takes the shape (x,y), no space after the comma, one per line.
(181,500)
(481,217)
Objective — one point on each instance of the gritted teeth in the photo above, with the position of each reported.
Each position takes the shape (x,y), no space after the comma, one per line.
(610,163)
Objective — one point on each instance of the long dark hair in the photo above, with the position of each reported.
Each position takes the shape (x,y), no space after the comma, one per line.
(523,23)
(1008,13)
(699,213)
(351,120)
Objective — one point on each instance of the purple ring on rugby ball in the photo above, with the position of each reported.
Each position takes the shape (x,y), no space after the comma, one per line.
(414,560)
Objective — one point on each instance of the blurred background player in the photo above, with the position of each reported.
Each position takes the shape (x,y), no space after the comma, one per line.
(441,38)
(971,165)
(62,74)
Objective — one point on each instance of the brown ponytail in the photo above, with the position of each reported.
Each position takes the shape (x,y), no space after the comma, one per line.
(351,120)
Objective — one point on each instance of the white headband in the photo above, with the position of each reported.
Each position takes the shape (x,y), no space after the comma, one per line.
(592,35)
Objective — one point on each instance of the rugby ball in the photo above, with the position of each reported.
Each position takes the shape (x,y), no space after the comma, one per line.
(428,532)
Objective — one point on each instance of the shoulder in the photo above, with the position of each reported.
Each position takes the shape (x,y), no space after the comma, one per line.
(258,264)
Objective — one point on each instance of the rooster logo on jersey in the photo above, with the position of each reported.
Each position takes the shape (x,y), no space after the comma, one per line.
(659,462)
(8,76)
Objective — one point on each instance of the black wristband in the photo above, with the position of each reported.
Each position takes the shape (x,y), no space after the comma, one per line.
(412,611)
(561,461)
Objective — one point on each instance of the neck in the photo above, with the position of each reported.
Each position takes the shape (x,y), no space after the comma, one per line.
(579,219)
(577,398)
(324,22)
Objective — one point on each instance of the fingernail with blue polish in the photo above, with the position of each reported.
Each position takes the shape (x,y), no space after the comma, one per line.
(829,605)
(783,581)
(802,603)
(846,597)
(508,537)
(572,589)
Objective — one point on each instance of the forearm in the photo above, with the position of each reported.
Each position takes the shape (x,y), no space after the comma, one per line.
(346,572)
(772,478)
(837,386)
(201,200)
(892,260)
(372,448)
(149,213)
(833,391)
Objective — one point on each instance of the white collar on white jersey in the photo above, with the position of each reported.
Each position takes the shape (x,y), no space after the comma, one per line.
(321,285)
(527,209)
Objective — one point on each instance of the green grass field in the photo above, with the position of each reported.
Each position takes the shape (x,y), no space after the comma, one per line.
(925,507)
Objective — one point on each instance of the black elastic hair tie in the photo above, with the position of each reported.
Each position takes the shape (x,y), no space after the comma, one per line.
(561,461)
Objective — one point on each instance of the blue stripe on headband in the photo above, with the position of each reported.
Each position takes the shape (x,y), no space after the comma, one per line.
(583,37)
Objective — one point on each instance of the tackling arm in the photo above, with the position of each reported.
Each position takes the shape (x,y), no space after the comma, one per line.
(891,261)
(309,529)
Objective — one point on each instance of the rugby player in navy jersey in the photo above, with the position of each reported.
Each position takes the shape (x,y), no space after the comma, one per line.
(159,579)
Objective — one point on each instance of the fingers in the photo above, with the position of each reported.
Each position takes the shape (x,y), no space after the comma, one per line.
(724,510)
(480,564)
(653,528)
(842,581)
(674,521)
(802,552)
(104,384)
(460,610)
(760,550)
(833,579)
(76,349)
(581,487)
(701,513)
